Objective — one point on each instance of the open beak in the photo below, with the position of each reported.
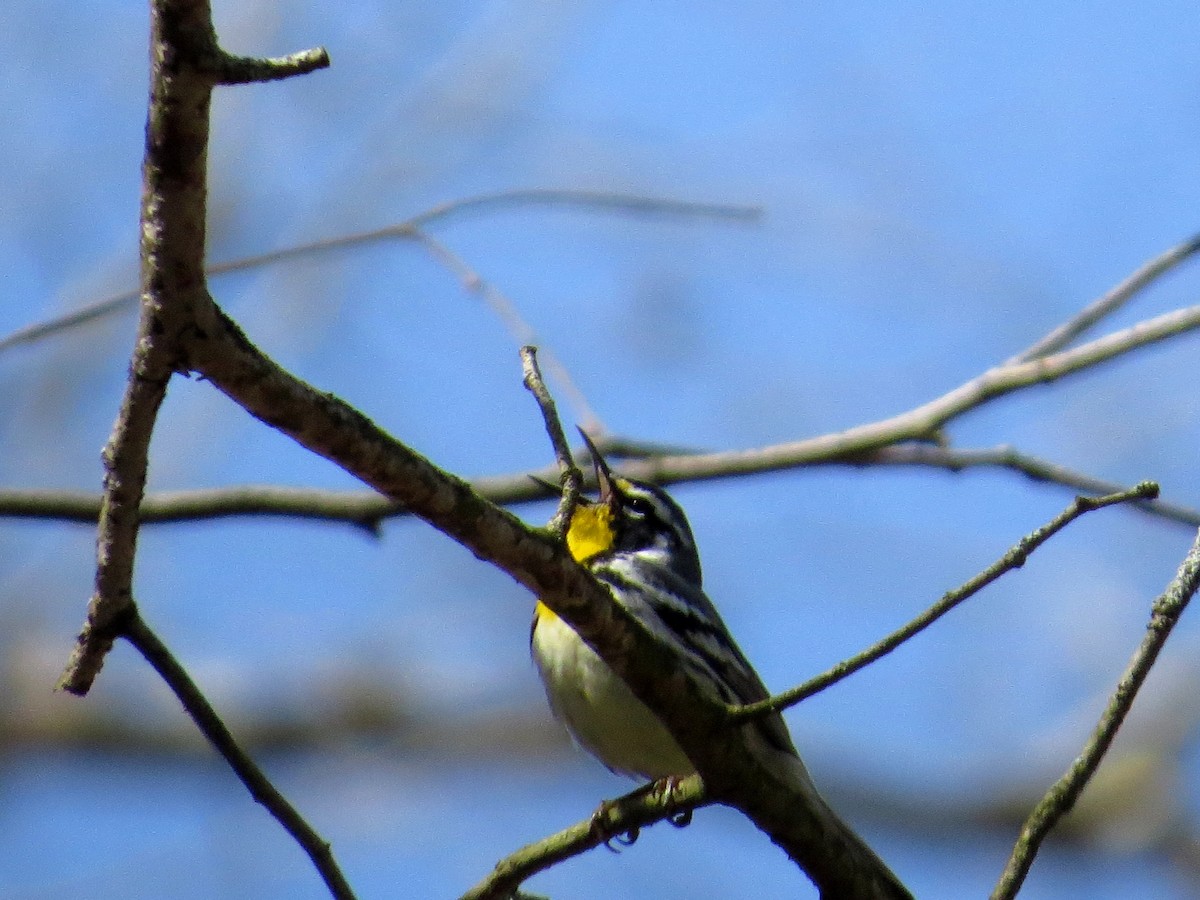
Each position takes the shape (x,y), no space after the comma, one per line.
(604,476)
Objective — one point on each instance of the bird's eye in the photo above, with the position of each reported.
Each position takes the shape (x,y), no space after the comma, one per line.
(640,507)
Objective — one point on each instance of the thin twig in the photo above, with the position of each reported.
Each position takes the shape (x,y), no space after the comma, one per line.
(520,330)
(362,508)
(626,815)
(611,200)
(1033,467)
(616,446)
(925,422)
(570,478)
(138,633)
(1013,559)
(881,441)
(97,310)
(1061,797)
(367,509)
(622,203)
(1110,302)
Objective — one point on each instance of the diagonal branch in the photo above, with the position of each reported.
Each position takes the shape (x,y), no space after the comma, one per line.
(1061,797)
(633,204)
(1112,301)
(512,319)
(139,634)
(1032,467)
(570,478)
(925,422)
(625,815)
(1013,559)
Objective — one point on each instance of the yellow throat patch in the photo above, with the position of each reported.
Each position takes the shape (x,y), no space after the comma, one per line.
(590,533)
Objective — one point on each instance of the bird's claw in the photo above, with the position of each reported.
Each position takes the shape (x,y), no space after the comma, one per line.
(600,828)
(664,788)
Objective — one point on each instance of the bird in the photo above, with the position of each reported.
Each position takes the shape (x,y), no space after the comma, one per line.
(635,539)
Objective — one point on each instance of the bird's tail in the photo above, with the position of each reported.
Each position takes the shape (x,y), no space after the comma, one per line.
(839,862)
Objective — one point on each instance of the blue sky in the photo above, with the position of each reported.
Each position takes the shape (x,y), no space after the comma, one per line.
(940,186)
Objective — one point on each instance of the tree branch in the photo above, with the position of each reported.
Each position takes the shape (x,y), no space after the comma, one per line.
(626,815)
(172,286)
(230,69)
(1061,797)
(925,422)
(367,509)
(734,772)
(616,202)
(519,329)
(186,62)
(1014,559)
(1112,301)
(1034,468)
(570,478)
(138,633)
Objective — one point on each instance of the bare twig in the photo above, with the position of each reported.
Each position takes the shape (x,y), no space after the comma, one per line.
(1061,797)
(520,330)
(58,324)
(367,509)
(616,446)
(621,203)
(628,814)
(1033,467)
(925,422)
(611,200)
(1112,301)
(363,508)
(218,735)
(1013,559)
(570,478)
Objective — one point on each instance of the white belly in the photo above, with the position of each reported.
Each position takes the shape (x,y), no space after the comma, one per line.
(601,713)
